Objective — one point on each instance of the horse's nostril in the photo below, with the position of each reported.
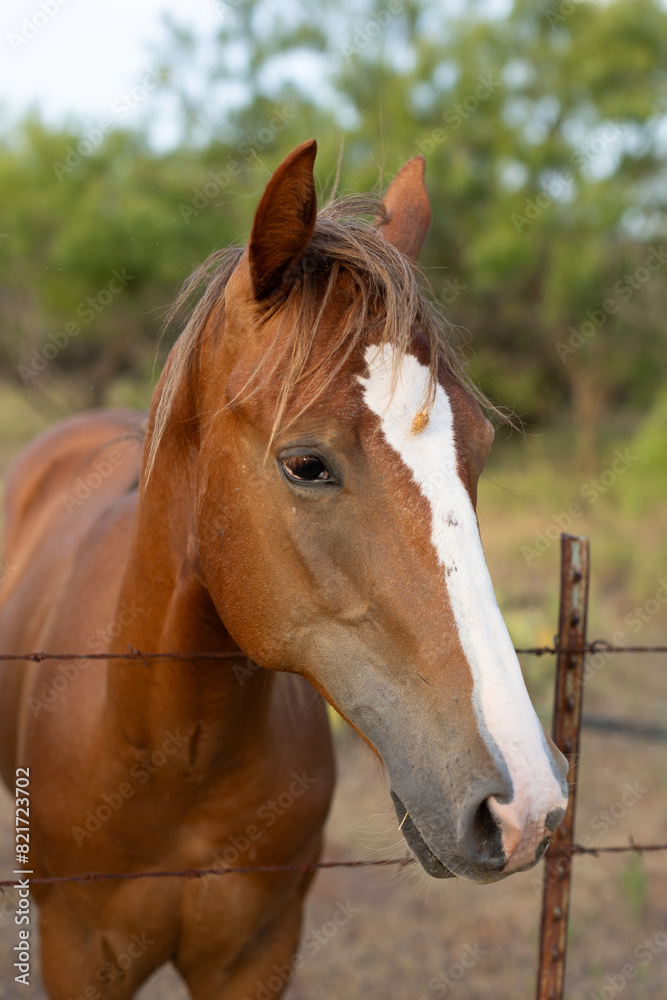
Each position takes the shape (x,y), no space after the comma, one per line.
(552,822)
(483,840)
(486,827)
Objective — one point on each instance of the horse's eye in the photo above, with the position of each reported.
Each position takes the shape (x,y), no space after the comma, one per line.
(305,468)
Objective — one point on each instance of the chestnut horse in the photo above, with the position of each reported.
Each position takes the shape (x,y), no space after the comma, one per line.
(307,503)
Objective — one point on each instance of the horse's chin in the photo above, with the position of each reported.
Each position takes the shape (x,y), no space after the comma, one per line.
(431,864)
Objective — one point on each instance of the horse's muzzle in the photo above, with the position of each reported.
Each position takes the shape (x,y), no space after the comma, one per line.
(479,850)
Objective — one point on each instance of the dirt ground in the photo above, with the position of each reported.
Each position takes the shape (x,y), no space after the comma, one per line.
(408,938)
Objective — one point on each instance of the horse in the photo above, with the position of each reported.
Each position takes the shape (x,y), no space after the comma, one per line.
(303,499)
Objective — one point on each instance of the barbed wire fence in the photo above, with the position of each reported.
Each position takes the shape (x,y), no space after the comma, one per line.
(571,648)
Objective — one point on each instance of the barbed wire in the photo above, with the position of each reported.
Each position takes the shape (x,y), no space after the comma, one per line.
(132,654)
(305,866)
(293,866)
(597,646)
(569,851)
(573,849)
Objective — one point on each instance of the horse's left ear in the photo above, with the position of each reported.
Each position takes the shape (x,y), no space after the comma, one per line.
(408,208)
(284,221)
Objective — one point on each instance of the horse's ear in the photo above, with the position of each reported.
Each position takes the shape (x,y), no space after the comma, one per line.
(284,221)
(408,208)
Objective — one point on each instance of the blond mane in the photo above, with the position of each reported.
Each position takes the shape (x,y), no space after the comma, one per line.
(387,297)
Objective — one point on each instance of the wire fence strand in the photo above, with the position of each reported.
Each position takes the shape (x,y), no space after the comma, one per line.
(597,646)
(132,654)
(299,866)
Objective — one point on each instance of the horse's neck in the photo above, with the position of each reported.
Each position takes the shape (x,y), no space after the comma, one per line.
(217,704)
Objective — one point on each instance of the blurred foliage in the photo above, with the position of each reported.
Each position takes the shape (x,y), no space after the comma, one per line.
(649,449)
(544,133)
(633,882)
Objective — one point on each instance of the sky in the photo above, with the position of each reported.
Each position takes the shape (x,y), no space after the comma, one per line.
(89,60)
(83,57)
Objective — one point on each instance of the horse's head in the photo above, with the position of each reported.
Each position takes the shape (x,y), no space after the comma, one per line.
(339,452)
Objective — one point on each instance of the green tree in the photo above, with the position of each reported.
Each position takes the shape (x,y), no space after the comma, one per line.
(543,133)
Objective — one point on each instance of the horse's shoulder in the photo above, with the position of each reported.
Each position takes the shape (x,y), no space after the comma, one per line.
(50,467)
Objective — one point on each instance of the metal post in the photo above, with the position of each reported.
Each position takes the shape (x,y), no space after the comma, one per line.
(566,727)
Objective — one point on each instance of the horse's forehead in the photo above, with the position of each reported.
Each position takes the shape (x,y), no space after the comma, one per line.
(399,385)
(396,389)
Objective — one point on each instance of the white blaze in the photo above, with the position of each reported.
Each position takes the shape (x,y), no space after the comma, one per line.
(500,698)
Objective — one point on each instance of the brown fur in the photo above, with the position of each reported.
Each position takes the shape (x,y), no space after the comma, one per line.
(387,302)
(221,552)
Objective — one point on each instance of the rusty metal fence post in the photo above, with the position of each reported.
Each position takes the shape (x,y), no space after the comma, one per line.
(566,726)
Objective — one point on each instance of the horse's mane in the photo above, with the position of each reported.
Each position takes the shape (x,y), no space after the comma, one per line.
(387,294)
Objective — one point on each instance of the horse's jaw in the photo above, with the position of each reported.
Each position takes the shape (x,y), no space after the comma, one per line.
(430,863)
